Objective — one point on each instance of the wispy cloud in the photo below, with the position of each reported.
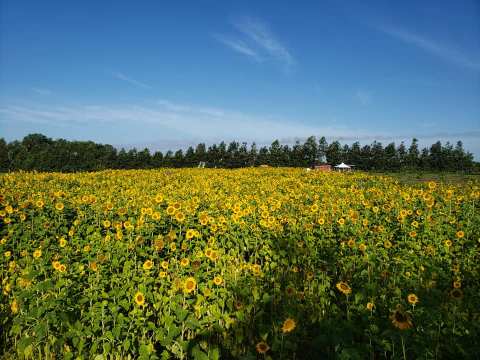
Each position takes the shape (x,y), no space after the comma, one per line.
(123,77)
(259,32)
(363,96)
(238,46)
(185,124)
(170,119)
(257,41)
(42,91)
(443,51)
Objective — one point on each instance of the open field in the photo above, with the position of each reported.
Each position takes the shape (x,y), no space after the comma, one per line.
(410,178)
(238,264)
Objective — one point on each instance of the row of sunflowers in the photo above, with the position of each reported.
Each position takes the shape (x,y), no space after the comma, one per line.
(237,264)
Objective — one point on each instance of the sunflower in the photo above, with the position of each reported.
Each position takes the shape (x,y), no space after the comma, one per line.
(456,294)
(362,247)
(179,216)
(448,243)
(262,347)
(256,269)
(351,243)
(14,306)
(203,219)
(164,265)
(412,299)
(387,244)
(159,244)
(341,221)
(139,299)
(107,224)
(170,210)
(93,266)
(217,280)
(460,234)
(401,319)
(196,264)
(288,325)
(344,288)
(370,306)
(214,255)
(190,285)
(290,291)
(457,284)
(412,234)
(62,242)
(59,206)
(37,253)
(162,274)
(184,262)
(148,264)
(56,265)
(190,234)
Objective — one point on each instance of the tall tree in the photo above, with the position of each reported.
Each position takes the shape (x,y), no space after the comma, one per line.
(334,153)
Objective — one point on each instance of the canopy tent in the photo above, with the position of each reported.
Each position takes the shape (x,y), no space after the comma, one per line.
(342,166)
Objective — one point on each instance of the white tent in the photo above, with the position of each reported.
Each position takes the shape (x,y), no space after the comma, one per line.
(343,166)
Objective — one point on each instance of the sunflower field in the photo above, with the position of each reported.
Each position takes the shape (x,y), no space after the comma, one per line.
(257,263)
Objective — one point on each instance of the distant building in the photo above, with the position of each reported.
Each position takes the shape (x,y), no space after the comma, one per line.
(323,167)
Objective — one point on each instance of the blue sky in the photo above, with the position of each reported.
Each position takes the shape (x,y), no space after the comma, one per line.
(171,74)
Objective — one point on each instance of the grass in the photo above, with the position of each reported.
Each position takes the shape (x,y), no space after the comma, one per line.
(444,177)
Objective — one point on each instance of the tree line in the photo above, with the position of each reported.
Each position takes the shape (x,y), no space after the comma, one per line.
(41,153)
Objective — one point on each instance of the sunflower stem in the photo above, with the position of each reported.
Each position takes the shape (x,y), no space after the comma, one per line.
(403,349)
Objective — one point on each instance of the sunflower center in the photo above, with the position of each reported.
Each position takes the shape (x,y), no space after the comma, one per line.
(400,317)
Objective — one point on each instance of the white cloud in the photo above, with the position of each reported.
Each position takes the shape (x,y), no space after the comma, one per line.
(443,51)
(172,119)
(129,80)
(256,41)
(168,122)
(259,32)
(238,46)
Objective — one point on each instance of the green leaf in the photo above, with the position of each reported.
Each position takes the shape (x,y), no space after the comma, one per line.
(214,354)
(181,314)
(126,344)
(198,354)
(23,344)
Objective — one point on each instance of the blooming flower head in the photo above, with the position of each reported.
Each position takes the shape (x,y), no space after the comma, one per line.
(288,325)
(344,288)
(139,299)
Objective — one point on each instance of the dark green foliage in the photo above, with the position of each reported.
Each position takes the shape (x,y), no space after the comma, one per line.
(40,153)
